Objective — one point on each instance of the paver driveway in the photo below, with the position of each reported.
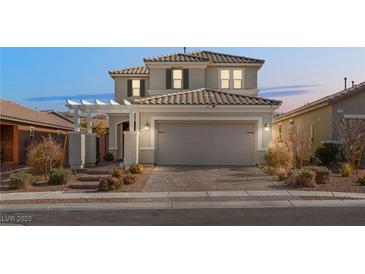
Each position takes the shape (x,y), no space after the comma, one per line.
(209,178)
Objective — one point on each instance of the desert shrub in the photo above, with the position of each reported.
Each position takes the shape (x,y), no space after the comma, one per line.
(110,183)
(109,157)
(58,176)
(129,179)
(307,178)
(278,156)
(282,173)
(322,173)
(361,180)
(21,180)
(136,168)
(118,172)
(301,177)
(326,153)
(293,177)
(346,170)
(45,155)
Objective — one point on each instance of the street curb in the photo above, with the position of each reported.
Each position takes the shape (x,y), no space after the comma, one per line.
(60,195)
(183,205)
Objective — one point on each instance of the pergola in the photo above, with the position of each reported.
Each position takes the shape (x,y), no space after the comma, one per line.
(98,106)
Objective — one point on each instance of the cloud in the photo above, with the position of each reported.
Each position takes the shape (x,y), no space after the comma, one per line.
(292,87)
(284,93)
(71,97)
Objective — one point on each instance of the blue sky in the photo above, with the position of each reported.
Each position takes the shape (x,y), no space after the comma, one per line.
(43,78)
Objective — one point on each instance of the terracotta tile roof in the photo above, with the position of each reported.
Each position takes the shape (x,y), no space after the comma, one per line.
(215,57)
(176,57)
(15,112)
(134,70)
(328,99)
(204,97)
(204,56)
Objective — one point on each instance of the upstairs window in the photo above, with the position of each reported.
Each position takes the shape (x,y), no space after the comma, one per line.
(224,78)
(136,87)
(177,77)
(237,79)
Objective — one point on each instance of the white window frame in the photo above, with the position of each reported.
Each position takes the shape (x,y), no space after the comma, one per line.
(237,79)
(177,79)
(221,79)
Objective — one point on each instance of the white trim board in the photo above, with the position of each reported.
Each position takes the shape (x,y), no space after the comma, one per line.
(257,119)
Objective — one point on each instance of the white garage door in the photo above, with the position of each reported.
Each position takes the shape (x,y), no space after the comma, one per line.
(187,143)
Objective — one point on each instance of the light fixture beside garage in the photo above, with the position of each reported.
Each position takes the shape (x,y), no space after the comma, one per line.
(147,126)
(266,127)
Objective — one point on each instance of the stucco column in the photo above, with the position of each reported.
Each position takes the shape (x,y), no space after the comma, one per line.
(90,148)
(131,121)
(76,150)
(77,119)
(131,143)
(89,122)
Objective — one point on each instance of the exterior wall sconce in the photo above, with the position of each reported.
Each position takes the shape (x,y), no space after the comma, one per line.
(147,126)
(266,127)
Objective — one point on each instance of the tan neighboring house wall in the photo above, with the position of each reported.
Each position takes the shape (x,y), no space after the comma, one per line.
(319,121)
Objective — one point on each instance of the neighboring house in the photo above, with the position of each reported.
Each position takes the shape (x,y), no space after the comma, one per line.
(317,120)
(57,114)
(20,126)
(197,108)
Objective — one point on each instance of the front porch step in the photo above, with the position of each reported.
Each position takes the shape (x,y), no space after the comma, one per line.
(99,172)
(85,185)
(90,178)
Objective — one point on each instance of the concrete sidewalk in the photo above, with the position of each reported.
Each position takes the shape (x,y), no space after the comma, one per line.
(60,195)
(182,205)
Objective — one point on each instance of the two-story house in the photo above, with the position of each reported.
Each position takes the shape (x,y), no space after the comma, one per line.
(197,108)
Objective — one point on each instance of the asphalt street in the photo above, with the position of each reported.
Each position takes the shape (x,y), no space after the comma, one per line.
(229,216)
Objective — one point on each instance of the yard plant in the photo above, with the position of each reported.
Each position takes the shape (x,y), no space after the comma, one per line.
(21,180)
(346,170)
(110,183)
(322,173)
(118,172)
(301,177)
(136,168)
(58,176)
(129,179)
(327,153)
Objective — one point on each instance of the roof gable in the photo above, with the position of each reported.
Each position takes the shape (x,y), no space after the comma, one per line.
(13,111)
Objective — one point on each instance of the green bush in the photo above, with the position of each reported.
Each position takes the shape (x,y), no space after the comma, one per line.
(322,173)
(110,183)
(361,180)
(129,179)
(346,170)
(109,157)
(326,153)
(278,156)
(118,172)
(136,168)
(301,177)
(58,176)
(21,180)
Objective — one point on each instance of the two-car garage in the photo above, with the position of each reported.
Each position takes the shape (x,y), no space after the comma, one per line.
(205,143)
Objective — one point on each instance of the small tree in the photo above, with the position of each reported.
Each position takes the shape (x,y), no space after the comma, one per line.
(296,142)
(351,133)
(45,155)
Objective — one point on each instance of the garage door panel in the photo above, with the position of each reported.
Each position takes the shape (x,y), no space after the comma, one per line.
(205,144)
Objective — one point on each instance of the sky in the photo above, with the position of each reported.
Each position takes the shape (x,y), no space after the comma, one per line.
(43,78)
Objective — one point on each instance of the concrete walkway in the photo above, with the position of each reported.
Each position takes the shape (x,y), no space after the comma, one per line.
(60,195)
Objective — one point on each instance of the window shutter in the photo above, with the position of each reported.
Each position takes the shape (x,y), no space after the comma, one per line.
(143,89)
(129,88)
(168,78)
(186,78)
